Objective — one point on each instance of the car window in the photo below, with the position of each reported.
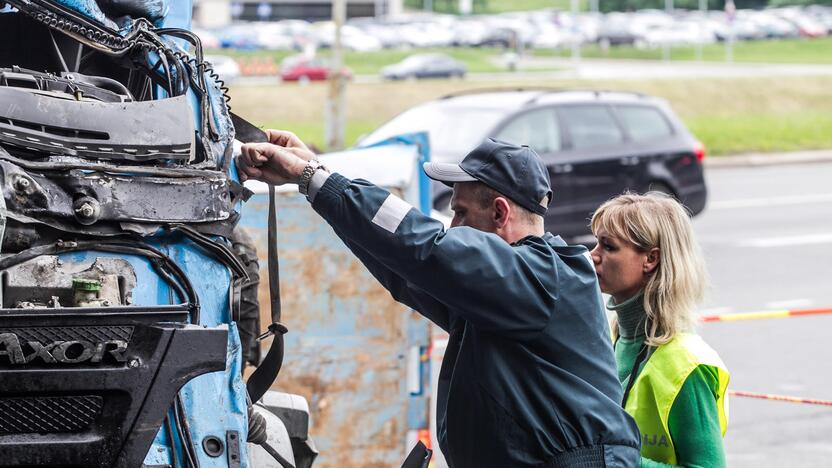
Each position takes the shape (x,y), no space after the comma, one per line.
(590,126)
(538,129)
(644,123)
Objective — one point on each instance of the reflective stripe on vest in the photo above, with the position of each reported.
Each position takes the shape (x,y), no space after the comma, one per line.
(658,384)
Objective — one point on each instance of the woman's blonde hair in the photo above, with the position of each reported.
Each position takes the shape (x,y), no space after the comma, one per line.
(677,284)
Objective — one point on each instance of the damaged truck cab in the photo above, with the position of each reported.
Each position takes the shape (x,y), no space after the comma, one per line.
(120,283)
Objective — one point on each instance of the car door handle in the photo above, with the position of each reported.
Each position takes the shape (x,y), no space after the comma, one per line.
(562,168)
(629,161)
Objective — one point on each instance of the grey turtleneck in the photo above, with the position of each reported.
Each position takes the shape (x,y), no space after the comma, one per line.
(631,316)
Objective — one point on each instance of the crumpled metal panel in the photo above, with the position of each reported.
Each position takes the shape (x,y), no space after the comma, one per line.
(132,131)
(114,197)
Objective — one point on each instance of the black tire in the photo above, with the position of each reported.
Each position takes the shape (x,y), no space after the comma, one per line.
(249,313)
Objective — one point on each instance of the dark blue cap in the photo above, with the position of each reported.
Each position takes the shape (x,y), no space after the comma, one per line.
(515,171)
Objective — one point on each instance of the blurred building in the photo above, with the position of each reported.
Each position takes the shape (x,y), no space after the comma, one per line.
(216,13)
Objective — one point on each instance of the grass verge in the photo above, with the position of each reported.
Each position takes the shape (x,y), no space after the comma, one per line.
(803,50)
(728,115)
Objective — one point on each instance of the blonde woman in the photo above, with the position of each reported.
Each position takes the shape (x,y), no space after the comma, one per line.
(649,263)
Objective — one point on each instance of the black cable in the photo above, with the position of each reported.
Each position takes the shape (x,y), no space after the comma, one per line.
(180,76)
(165,276)
(183,429)
(164,58)
(221,251)
(184,281)
(174,455)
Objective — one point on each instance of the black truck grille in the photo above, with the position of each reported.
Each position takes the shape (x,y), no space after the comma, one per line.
(93,334)
(48,414)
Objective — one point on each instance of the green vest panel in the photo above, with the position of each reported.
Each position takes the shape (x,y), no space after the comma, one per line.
(658,384)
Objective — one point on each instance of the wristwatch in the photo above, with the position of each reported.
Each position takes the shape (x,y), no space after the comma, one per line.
(306,176)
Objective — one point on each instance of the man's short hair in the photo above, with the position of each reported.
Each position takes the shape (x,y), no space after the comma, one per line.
(485,196)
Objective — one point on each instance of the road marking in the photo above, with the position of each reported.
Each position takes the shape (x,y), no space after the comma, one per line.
(790,304)
(784,241)
(770,201)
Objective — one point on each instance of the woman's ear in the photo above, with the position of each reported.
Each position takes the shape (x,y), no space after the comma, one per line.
(651,260)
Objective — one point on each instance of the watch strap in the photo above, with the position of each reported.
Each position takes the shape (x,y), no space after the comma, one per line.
(306,176)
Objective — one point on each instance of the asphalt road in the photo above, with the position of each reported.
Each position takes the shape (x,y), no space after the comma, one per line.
(767,237)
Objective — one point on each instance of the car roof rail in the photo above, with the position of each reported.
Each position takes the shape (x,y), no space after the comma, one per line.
(544,90)
(502,89)
(596,92)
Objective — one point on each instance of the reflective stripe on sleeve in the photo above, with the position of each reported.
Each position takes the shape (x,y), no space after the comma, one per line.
(391,213)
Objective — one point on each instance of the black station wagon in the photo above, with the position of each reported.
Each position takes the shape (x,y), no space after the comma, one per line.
(596,144)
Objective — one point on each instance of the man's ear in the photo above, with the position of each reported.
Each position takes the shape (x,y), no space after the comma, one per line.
(502,212)
(652,260)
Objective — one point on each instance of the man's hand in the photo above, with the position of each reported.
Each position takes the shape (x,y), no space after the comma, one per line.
(285,139)
(281,161)
(273,164)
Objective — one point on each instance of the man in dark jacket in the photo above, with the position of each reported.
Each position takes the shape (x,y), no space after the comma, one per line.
(528,378)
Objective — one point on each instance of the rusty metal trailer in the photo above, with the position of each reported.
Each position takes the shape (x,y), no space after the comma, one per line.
(360,358)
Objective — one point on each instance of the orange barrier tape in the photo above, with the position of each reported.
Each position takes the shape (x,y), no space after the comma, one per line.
(765,315)
(789,399)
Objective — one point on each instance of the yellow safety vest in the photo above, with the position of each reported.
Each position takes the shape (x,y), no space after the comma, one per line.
(658,384)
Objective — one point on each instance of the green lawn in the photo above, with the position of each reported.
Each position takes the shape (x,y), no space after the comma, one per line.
(771,51)
(740,133)
(727,115)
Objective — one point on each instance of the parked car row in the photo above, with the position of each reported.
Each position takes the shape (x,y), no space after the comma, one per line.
(538,29)
(304,68)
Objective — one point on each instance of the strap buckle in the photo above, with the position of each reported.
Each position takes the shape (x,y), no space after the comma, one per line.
(274,329)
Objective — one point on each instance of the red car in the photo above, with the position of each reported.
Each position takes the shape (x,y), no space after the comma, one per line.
(299,68)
